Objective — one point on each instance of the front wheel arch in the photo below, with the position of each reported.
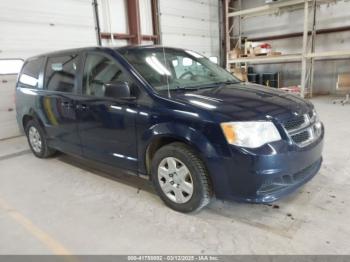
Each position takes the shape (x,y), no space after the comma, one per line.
(159,142)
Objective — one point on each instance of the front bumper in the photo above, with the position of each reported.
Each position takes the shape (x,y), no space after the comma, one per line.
(267,174)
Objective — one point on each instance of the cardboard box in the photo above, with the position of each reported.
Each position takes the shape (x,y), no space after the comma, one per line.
(343,81)
(240,73)
(274,54)
(235,53)
(257,48)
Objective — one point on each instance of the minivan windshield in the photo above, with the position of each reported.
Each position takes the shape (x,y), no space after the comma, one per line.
(176,68)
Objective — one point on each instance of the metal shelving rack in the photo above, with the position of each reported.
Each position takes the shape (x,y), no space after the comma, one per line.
(307,55)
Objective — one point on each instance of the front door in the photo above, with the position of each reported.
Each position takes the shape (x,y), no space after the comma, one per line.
(106,125)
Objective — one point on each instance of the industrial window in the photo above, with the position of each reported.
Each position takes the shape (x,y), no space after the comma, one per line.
(10,66)
(30,73)
(60,73)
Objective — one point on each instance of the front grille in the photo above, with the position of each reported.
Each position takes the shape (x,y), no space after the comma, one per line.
(294,123)
(301,137)
(302,129)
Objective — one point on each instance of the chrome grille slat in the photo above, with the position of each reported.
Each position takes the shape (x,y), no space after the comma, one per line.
(301,129)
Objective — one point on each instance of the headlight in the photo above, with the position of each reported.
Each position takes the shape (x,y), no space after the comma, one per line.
(250,134)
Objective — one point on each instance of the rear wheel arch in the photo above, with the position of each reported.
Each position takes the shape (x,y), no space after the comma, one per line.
(32,116)
(25,120)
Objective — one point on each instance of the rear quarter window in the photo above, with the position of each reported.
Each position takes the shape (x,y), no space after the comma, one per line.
(30,72)
(61,73)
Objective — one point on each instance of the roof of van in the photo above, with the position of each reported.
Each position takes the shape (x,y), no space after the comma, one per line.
(122,48)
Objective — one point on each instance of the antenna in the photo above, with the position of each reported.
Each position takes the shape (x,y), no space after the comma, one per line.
(166,75)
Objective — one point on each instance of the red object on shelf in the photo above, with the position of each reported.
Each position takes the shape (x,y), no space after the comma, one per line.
(265,45)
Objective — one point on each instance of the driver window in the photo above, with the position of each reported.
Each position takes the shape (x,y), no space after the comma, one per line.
(100,70)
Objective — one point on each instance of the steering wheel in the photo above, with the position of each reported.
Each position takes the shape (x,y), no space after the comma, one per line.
(183,76)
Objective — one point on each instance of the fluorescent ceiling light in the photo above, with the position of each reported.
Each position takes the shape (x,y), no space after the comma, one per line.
(156,65)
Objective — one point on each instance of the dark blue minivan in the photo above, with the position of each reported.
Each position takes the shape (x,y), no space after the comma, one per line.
(173,116)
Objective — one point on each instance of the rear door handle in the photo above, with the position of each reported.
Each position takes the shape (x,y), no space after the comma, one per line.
(82,107)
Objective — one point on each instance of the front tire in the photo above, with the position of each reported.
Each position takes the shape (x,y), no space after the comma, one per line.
(37,140)
(181,178)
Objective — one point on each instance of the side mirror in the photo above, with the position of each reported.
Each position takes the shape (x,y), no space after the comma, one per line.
(118,89)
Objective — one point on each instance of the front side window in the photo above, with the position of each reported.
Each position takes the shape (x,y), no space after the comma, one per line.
(30,72)
(176,69)
(60,74)
(98,72)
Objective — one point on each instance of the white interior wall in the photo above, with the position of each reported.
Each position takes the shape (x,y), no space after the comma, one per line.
(328,16)
(8,123)
(192,24)
(44,25)
(32,27)
(113,18)
(146,17)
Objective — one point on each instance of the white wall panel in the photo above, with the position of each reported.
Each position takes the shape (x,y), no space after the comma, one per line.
(8,121)
(146,17)
(33,27)
(191,24)
(113,16)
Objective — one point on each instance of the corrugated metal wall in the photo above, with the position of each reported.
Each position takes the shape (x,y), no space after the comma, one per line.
(31,27)
(192,24)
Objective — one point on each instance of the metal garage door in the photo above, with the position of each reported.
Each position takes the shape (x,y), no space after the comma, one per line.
(192,24)
(29,28)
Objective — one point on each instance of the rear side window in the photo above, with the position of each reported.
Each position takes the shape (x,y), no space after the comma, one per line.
(60,73)
(30,72)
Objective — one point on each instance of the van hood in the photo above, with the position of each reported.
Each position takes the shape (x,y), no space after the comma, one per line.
(245,101)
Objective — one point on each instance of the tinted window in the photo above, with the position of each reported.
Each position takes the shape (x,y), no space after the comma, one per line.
(30,72)
(99,71)
(61,72)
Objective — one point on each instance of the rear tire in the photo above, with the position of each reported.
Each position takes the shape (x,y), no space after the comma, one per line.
(181,178)
(37,140)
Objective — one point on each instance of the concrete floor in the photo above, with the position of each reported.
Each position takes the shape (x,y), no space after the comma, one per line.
(62,206)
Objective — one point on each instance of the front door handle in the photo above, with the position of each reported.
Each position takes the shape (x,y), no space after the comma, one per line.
(82,107)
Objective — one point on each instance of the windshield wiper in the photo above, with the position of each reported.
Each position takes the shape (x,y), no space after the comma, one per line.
(186,88)
(204,86)
(227,82)
(214,84)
